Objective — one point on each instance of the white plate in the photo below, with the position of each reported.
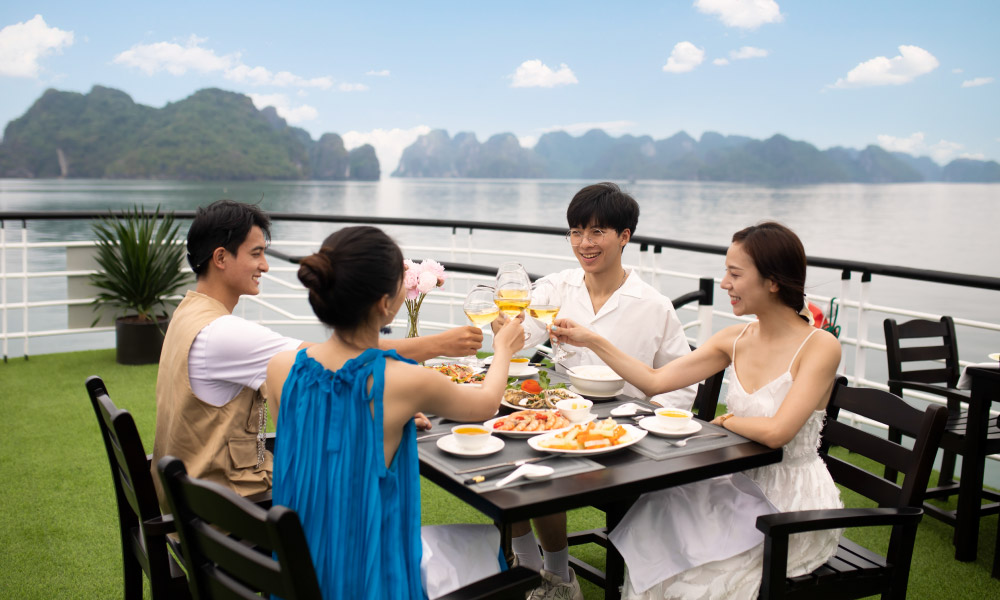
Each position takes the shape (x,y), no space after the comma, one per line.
(994,356)
(577,390)
(527,434)
(449,445)
(634,435)
(516,407)
(651,425)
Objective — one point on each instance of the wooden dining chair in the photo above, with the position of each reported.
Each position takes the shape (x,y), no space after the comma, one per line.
(856,571)
(143,530)
(974,436)
(235,549)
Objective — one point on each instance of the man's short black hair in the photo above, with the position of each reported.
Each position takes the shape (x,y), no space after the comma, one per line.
(603,205)
(222,224)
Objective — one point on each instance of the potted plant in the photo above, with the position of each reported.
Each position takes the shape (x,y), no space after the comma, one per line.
(140,258)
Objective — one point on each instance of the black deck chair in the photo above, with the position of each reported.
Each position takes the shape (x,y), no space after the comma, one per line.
(236,549)
(142,528)
(856,571)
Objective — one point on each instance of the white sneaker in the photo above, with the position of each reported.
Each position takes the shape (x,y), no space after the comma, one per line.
(554,588)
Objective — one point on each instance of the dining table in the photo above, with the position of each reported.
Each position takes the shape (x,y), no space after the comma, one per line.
(611,479)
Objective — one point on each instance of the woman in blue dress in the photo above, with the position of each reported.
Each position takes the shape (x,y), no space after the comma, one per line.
(346,457)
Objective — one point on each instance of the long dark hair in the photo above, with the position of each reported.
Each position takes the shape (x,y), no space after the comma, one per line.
(354,269)
(779,256)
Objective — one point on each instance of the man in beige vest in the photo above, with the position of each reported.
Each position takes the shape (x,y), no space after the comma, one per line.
(210,400)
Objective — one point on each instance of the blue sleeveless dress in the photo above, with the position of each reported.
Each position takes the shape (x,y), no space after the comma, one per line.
(361,519)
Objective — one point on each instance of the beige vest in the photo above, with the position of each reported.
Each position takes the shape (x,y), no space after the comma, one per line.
(217,443)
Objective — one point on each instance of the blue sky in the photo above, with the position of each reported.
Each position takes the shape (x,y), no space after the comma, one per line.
(919,76)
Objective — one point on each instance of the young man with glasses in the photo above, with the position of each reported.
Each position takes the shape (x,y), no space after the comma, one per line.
(608,298)
(210,397)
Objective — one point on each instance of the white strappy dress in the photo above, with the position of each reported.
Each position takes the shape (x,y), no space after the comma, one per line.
(699,541)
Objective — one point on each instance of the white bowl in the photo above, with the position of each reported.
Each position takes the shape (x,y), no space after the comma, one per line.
(575,409)
(599,380)
(471,437)
(673,419)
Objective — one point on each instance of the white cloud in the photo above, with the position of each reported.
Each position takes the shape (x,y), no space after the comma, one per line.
(748,52)
(958,70)
(532,73)
(978,81)
(382,73)
(389,143)
(720,62)
(178,59)
(911,63)
(973,156)
(23,44)
(745,14)
(293,114)
(941,152)
(612,127)
(352,87)
(684,57)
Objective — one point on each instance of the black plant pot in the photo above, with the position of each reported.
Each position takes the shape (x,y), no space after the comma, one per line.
(139,342)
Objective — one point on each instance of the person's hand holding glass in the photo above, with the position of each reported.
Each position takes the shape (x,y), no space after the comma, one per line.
(545,305)
(482,310)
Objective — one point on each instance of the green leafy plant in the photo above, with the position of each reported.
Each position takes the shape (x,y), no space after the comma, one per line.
(141,262)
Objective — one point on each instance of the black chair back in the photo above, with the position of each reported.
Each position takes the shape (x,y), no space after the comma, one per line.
(141,526)
(706,400)
(232,547)
(856,571)
(943,347)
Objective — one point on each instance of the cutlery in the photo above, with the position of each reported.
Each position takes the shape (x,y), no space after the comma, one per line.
(429,436)
(682,443)
(529,471)
(512,463)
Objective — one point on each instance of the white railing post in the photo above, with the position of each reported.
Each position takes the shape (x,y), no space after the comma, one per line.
(3,278)
(845,289)
(24,283)
(862,332)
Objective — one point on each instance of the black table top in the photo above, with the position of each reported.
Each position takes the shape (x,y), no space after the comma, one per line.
(626,475)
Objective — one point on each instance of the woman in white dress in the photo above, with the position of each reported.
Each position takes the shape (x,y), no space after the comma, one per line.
(700,540)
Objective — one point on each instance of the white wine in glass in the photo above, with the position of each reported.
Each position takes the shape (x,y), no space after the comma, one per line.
(481,310)
(546,313)
(512,300)
(545,308)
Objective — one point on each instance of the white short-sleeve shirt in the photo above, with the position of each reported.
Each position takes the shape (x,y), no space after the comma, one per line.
(231,353)
(637,319)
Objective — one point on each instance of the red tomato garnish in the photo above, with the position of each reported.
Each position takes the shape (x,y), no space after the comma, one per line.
(531,386)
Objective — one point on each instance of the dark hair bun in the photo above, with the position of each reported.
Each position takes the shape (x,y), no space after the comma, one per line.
(316,271)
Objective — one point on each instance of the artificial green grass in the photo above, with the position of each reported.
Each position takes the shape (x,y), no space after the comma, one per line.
(58,523)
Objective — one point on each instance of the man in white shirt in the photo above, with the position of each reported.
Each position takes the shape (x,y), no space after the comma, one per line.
(604,296)
(210,403)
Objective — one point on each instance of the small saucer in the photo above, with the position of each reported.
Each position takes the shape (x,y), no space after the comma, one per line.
(651,425)
(449,445)
(576,390)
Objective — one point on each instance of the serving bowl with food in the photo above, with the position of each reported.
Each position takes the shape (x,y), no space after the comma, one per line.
(598,380)
(524,423)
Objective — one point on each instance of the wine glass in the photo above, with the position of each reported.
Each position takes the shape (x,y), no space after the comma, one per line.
(482,310)
(545,304)
(512,293)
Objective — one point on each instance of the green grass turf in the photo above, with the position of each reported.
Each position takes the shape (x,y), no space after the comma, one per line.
(58,531)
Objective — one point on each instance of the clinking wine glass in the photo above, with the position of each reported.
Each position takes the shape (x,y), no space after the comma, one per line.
(512,293)
(545,305)
(482,310)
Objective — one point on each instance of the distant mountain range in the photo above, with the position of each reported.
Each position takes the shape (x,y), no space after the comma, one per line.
(597,155)
(211,135)
(218,135)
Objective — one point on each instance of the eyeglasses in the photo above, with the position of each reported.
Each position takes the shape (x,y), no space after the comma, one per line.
(576,236)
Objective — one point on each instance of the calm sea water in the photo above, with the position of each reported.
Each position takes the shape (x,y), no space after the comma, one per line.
(949,227)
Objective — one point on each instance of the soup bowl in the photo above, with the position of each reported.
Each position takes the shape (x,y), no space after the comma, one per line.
(471,437)
(599,380)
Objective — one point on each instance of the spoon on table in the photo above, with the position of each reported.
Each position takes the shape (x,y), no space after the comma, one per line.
(682,443)
(529,471)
